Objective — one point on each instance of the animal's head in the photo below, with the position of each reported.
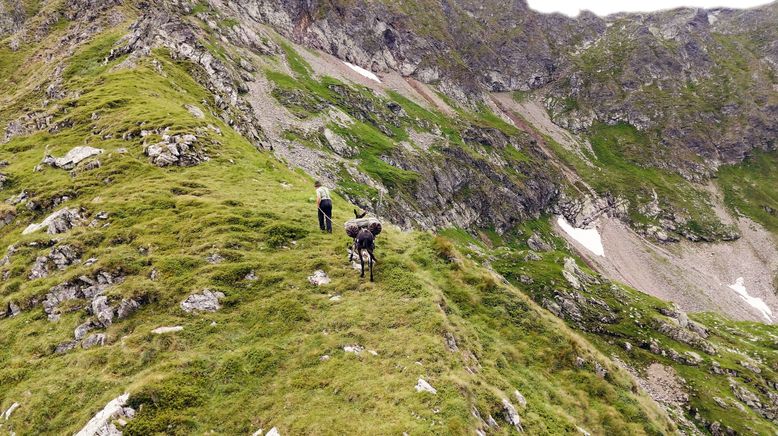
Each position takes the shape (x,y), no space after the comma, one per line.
(358,215)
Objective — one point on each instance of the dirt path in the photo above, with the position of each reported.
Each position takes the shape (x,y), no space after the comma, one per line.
(434,101)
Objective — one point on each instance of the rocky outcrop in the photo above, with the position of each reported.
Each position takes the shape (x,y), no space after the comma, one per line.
(163,27)
(58,222)
(767,411)
(72,158)
(178,150)
(104,422)
(83,287)
(611,70)
(59,258)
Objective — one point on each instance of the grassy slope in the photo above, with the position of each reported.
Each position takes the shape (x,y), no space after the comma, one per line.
(259,365)
(636,317)
(749,188)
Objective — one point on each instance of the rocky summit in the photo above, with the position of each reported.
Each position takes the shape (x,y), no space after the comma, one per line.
(579,219)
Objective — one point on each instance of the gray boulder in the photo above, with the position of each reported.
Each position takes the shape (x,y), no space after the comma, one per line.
(59,258)
(58,222)
(178,150)
(102,311)
(206,301)
(95,340)
(72,158)
(338,144)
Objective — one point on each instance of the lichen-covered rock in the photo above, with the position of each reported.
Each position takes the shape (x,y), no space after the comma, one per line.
(423,386)
(82,287)
(58,222)
(511,415)
(179,150)
(103,423)
(126,307)
(102,311)
(72,158)
(206,301)
(94,340)
(59,258)
(319,278)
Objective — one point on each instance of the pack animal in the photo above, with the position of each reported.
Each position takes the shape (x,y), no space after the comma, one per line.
(364,242)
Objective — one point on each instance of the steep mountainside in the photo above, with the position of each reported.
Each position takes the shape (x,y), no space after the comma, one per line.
(164,273)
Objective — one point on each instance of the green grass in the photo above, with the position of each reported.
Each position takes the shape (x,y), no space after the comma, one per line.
(89,61)
(749,188)
(622,167)
(256,362)
(634,320)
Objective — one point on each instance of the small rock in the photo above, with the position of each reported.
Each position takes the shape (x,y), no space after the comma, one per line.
(195,111)
(319,278)
(600,370)
(251,276)
(81,331)
(65,347)
(126,308)
(214,258)
(72,158)
(356,349)
(721,402)
(102,310)
(491,422)
(373,352)
(58,222)
(520,398)
(324,358)
(163,330)
(7,414)
(95,340)
(451,342)
(103,422)
(511,415)
(423,386)
(273,432)
(206,301)
(536,243)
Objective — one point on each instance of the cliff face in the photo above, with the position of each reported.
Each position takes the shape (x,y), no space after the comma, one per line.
(623,68)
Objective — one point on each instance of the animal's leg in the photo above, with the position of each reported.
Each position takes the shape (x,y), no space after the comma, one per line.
(371,266)
(361,262)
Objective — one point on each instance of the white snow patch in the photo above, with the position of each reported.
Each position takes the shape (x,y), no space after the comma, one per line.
(589,238)
(757,303)
(363,72)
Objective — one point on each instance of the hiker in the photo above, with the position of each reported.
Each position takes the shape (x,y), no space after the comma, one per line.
(324,206)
